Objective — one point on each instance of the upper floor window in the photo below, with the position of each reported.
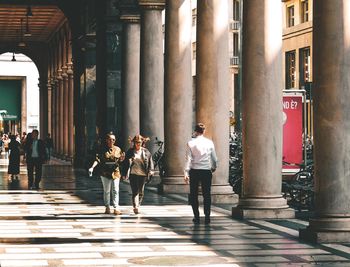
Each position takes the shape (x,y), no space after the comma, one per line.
(304,62)
(194,16)
(290,69)
(236,10)
(290,16)
(194,50)
(304,6)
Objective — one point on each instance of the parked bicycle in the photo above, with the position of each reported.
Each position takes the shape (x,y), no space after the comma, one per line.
(158,158)
(236,162)
(299,190)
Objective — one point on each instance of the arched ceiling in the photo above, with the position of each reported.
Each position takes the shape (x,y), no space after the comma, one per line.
(42,25)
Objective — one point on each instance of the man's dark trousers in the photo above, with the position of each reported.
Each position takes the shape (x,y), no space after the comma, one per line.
(202,177)
(34,163)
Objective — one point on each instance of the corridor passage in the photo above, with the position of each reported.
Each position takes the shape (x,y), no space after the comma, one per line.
(63,225)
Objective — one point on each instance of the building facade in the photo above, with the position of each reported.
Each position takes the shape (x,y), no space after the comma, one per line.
(297,52)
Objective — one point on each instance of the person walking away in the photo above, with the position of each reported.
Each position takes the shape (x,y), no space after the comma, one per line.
(49,145)
(201,162)
(35,156)
(14,158)
(139,164)
(109,158)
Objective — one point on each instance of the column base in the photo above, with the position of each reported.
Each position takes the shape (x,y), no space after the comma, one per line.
(269,207)
(326,230)
(314,236)
(219,193)
(174,184)
(241,214)
(223,194)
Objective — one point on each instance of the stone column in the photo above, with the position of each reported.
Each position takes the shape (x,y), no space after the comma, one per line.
(41,110)
(152,71)
(65,111)
(70,111)
(49,107)
(212,88)
(43,107)
(331,46)
(131,77)
(178,93)
(262,112)
(24,113)
(54,114)
(60,112)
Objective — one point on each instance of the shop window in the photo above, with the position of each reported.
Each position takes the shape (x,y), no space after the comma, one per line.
(290,69)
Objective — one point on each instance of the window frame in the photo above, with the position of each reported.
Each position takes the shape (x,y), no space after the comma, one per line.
(304,11)
(290,71)
(290,17)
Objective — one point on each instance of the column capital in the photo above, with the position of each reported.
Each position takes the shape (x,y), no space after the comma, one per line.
(64,72)
(130,18)
(70,68)
(129,10)
(59,74)
(152,4)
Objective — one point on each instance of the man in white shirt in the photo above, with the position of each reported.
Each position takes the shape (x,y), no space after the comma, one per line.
(201,162)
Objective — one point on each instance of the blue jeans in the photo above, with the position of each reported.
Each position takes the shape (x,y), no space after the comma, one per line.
(110,187)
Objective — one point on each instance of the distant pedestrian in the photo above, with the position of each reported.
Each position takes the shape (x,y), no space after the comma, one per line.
(6,141)
(49,145)
(14,158)
(109,157)
(35,157)
(201,162)
(138,165)
(23,144)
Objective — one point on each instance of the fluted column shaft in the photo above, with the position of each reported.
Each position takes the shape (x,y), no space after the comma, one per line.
(49,105)
(56,125)
(131,78)
(65,111)
(212,88)
(54,110)
(70,111)
(331,46)
(178,91)
(152,71)
(60,112)
(262,112)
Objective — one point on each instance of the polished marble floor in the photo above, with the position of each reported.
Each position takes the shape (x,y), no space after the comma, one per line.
(63,225)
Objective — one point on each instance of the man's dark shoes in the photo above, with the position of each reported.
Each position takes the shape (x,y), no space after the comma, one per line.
(196,220)
(207,220)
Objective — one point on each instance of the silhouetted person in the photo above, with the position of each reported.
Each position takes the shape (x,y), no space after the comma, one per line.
(35,156)
(14,157)
(49,145)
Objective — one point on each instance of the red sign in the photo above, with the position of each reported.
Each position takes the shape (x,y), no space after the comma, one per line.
(292,130)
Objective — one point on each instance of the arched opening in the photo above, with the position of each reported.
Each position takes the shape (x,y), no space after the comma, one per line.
(19,94)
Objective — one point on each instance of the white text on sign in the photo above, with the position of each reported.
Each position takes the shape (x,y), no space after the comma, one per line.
(290,104)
